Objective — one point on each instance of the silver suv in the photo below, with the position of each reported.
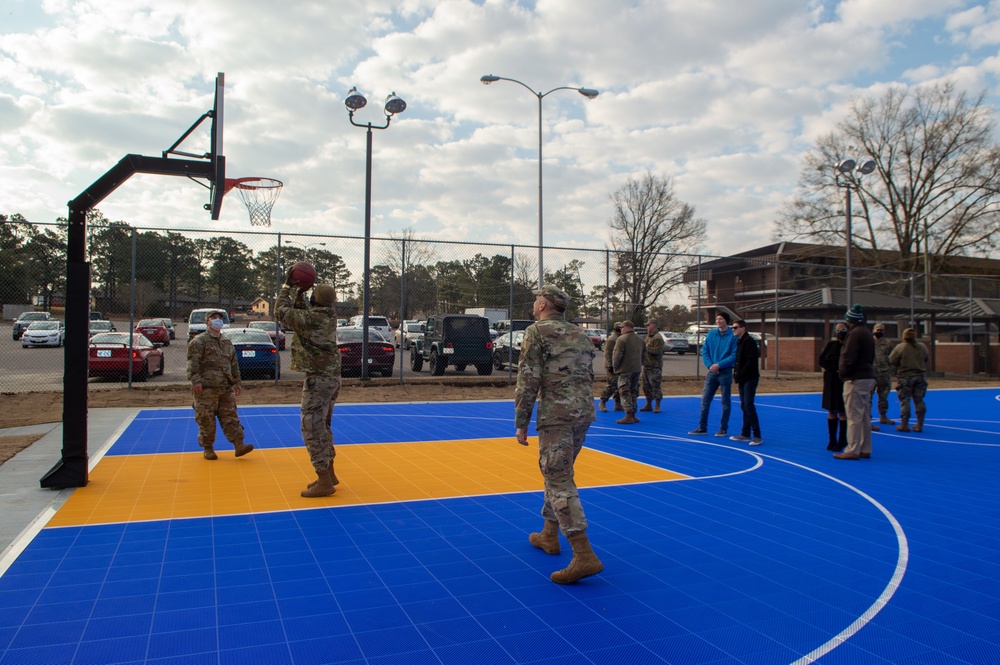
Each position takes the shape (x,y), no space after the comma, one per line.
(26,319)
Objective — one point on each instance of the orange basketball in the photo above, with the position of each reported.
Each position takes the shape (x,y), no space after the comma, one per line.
(304,274)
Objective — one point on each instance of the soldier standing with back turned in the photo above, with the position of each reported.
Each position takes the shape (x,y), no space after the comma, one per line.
(315,352)
(652,368)
(611,390)
(557,367)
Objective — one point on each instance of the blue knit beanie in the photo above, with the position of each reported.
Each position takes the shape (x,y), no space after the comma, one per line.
(856,314)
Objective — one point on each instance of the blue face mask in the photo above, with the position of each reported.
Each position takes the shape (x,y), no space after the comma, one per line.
(217,324)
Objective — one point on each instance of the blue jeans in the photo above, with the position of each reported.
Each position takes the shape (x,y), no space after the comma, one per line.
(748,390)
(724,380)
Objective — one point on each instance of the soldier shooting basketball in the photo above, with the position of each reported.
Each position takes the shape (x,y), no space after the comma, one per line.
(315,352)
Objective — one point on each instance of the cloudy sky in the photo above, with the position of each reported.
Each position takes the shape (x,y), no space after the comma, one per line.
(723,96)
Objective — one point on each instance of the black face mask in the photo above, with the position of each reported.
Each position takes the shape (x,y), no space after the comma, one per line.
(841,334)
(878,335)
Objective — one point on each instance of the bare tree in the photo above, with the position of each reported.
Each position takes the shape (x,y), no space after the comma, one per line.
(650,231)
(936,187)
(418,252)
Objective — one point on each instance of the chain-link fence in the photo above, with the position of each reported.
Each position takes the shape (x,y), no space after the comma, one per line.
(790,300)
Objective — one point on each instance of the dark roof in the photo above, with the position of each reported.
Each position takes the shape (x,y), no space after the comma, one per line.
(829,298)
(982,309)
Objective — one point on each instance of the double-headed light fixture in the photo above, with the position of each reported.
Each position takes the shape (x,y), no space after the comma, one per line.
(355,101)
(589,93)
(848,175)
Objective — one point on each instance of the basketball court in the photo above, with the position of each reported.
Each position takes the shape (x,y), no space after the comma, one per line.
(713,552)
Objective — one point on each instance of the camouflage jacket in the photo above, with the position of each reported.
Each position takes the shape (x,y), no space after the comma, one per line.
(653,357)
(609,352)
(883,348)
(629,350)
(556,367)
(211,361)
(314,345)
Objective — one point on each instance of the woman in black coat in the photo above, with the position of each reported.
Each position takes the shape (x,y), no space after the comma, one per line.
(833,390)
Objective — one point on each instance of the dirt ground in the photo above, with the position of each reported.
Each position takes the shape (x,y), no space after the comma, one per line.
(19,409)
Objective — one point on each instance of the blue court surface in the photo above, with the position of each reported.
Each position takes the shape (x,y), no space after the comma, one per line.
(774,554)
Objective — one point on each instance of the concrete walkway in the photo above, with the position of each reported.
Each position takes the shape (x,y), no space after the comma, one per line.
(26,506)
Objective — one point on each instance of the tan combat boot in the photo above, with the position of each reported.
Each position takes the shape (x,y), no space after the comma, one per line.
(656,409)
(323,487)
(336,481)
(548,539)
(903,426)
(603,406)
(629,419)
(919,427)
(243,448)
(618,406)
(885,420)
(209,453)
(648,407)
(584,564)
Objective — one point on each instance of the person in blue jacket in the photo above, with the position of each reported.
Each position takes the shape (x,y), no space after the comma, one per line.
(719,355)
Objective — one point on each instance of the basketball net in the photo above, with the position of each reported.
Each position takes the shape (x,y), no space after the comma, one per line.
(258,195)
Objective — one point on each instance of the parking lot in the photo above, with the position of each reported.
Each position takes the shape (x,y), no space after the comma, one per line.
(37,369)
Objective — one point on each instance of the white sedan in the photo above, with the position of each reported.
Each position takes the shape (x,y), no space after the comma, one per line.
(44,333)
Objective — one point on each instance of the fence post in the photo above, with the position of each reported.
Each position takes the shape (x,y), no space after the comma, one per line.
(274,305)
(697,334)
(131,310)
(972,337)
(510,315)
(402,303)
(777,351)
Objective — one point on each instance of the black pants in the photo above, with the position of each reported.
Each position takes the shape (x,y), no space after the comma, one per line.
(748,390)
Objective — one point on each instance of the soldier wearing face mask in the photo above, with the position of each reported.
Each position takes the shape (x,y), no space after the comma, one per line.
(315,352)
(883,372)
(215,381)
(833,389)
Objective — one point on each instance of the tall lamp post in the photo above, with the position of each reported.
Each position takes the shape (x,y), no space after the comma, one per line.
(393,106)
(589,93)
(305,246)
(848,175)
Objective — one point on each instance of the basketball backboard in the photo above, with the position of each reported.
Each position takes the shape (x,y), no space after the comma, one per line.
(218,185)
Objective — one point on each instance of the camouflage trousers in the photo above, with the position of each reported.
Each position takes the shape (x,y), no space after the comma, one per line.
(883,386)
(221,403)
(652,378)
(915,387)
(611,390)
(319,393)
(558,447)
(628,389)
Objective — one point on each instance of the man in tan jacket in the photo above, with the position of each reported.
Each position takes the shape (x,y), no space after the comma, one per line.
(628,365)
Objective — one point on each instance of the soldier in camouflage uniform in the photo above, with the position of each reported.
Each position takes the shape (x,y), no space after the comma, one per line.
(215,381)
(629,350)
(611,390)
(315,352)
(652,367)
(883,372)
(909,358)
(556,366)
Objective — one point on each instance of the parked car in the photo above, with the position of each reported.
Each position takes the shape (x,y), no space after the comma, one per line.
(379,323)
(196,320)
(507,349)
(110,355)
(455,339)
(595,337)
(675,343)
(154,330)
(381,354)
(508,325)
(26,319)
(278,338)
(171,328)
(255,352)
(408,333)
(97,316)
(98,326)
(44,333)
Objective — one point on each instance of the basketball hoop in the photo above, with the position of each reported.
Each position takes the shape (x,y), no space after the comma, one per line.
(258,195)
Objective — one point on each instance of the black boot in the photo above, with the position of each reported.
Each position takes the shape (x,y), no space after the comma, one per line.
(831,426)
(842,439)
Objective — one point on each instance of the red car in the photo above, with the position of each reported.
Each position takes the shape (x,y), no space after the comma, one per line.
(110,355)
(155,330)
(381,353)
(269,327)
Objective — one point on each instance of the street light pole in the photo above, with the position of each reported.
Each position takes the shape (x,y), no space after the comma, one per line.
(589,93)
(848,176)
(393,105)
